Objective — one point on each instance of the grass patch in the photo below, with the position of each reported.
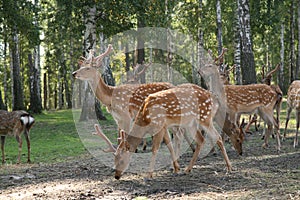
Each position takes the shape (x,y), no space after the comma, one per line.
(53,139)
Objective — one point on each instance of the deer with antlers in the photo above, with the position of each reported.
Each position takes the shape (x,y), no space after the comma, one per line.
(293,102)
(121,101)
(188,106)
(15,123)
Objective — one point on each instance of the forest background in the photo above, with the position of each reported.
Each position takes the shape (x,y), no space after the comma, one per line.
(42,40)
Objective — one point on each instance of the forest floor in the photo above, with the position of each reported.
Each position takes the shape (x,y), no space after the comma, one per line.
(258,174)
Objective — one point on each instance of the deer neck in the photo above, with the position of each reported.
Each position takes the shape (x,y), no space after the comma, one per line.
(101,90)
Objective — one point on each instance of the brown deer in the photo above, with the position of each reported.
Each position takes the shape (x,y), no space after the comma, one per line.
(121,101)
(14,123)
(259,98)
(188,106)
(266,79)
(293,102)
(211,72)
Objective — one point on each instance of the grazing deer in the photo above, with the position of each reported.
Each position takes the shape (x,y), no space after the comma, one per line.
(14,123)
(188,106)
(211,73)
(293,102)
(259,98)
(121,101)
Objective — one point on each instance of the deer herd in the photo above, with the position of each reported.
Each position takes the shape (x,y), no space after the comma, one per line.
(187,109)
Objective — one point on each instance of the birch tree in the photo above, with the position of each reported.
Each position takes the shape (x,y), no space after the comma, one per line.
(247,56)
(237,46)
(88,108)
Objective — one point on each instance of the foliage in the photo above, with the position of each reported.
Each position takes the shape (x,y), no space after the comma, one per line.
(58,26)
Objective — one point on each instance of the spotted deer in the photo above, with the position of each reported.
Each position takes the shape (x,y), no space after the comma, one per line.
(293,102)
(188,106)
(14,124)
(260,98)
(121,101)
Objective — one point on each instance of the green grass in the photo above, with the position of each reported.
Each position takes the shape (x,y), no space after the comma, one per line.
(53,139)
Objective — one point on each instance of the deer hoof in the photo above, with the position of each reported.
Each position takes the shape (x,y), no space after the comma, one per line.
(265,146)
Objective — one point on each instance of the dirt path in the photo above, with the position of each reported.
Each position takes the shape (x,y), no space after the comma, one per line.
(259,174)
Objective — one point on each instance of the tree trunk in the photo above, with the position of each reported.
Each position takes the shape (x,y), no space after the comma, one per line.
(17,86)
(200,43)
(298,57)
(281,74)
(140,46)
(88,110)
(292,43)
(5,85)
(247,57)
(35,99)
(219,28)
(2,105)
(45,91)
(237,49)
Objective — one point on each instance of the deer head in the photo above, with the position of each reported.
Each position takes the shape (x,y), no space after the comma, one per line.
(89,66)
(121,153)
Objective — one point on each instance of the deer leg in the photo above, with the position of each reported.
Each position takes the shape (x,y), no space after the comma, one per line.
(267,115)
(168,142)
(199,144)
(157,139)
(28,145)
(177,140)
(188,141)
(19,140)
(287,120)
(220,143)
(296,137)
(2,148)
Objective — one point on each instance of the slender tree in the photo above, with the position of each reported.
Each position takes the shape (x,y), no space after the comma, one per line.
(247,56)
(237,46)
(292,42)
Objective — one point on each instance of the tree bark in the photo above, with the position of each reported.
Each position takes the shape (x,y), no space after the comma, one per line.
(35,99)
(2,105)
(45,91)
(280,74)
(237,49)
(247,57)
(298,56)
(88,110)
(292,43)
(140,45)
(17,86)
(219,27)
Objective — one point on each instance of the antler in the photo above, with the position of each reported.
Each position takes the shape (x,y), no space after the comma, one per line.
(220,58)
(108,50)
(268,77)
(143,70)
(111,147)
